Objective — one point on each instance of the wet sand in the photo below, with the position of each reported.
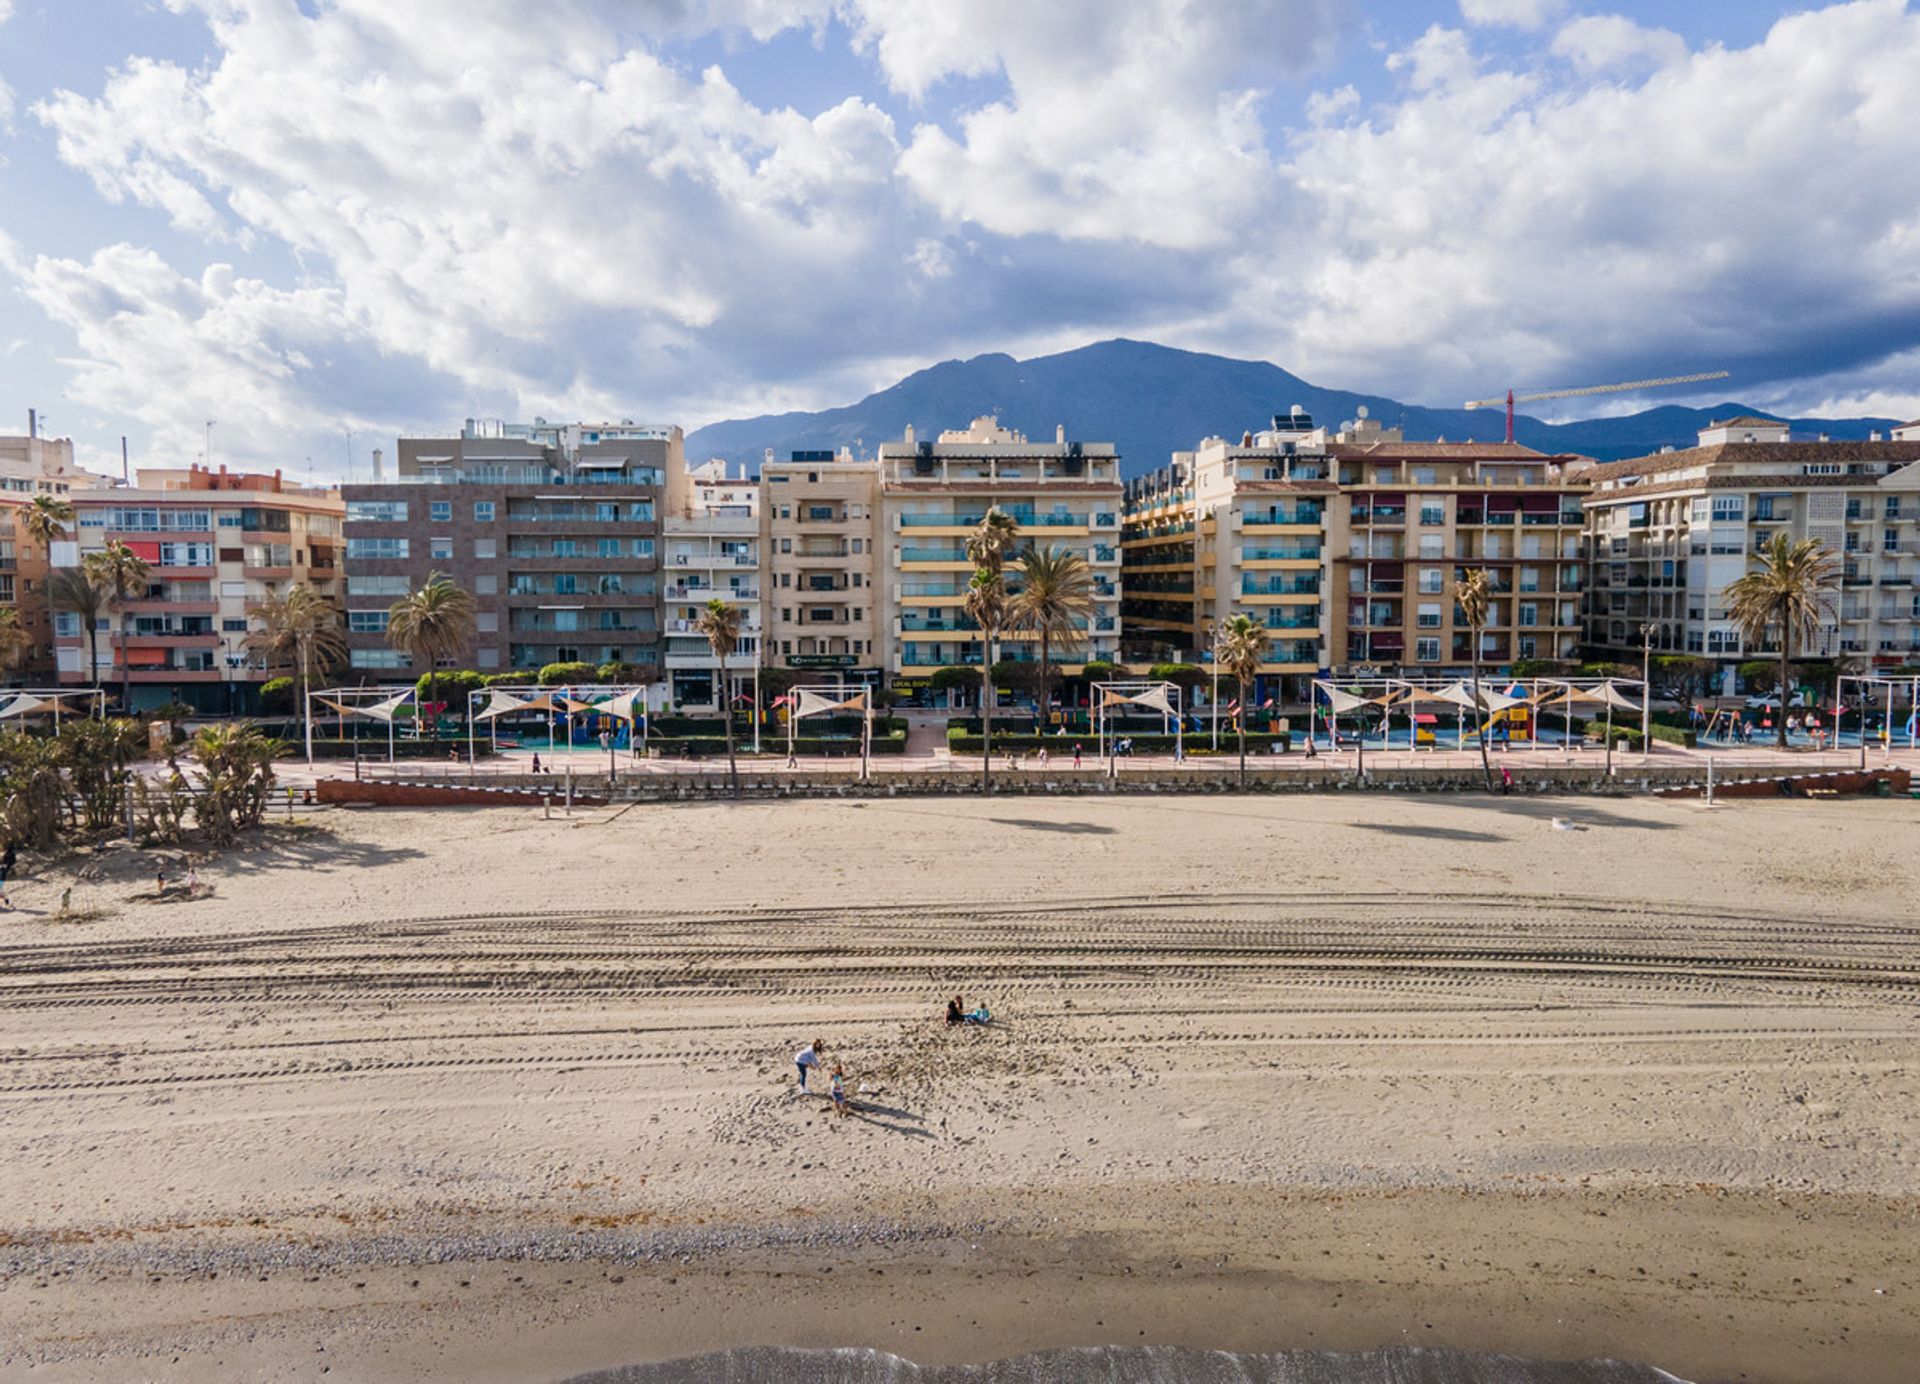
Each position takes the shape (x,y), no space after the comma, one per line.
(478,1095)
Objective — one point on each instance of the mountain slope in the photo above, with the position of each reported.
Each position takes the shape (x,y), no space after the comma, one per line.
(1153,400)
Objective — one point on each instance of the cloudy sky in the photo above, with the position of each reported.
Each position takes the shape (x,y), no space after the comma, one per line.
(310,219)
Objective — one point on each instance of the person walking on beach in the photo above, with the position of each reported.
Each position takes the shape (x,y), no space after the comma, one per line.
(1506,780)
(7,861)
(807,1058)
(1076,754)
(536,761)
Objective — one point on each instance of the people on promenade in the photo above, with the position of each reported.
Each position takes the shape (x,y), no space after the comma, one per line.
(1076,754)
(536,761)
(808,1058)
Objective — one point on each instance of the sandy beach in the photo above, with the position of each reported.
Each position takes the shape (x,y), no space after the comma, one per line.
(470,1094)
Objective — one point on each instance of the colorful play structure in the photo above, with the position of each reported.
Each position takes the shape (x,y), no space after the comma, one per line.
(1401,713)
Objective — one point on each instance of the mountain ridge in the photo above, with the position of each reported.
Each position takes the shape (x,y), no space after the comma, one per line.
(1152,400)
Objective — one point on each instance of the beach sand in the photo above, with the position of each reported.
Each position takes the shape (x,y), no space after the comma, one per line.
(482,1095)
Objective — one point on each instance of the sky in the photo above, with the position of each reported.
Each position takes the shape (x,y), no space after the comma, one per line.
(319,224)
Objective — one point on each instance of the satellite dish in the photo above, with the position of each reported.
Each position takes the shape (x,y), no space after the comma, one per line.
(1362,410)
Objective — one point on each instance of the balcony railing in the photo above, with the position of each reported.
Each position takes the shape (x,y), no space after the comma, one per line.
(933,554)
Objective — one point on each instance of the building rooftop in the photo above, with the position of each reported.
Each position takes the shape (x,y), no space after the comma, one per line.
(1781,453)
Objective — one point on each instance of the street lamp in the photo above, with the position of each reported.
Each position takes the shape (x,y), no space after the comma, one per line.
(1646,690)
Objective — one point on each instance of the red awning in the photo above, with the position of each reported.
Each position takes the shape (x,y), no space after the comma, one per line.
(146,552)
(146,658)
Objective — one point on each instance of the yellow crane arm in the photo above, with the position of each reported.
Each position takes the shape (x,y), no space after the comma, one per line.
(1598,389)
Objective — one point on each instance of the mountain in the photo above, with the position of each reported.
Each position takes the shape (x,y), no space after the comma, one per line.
(1153,400)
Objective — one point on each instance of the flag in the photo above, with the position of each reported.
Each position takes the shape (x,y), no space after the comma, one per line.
(783,700)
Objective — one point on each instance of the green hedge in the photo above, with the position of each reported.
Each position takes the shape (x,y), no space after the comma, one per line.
(1059,746)
(371,748)
(771,745)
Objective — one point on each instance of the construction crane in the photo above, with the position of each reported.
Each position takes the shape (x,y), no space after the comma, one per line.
(1513,398)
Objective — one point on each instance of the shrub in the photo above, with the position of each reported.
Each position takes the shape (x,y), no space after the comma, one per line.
(452,685)
(566,674)
(1183,675)
(277,695)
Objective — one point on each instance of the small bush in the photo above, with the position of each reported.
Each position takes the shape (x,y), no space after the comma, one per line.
(566,674)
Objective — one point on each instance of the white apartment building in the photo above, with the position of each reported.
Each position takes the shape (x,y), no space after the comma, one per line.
(933,494)
(820,525)
(713,550)
(1668,533)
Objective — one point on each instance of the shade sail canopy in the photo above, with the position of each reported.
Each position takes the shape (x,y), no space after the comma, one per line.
(378,711)
(24,705)
(809,703)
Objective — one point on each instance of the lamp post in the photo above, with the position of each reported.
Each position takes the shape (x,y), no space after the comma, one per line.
(1646,690)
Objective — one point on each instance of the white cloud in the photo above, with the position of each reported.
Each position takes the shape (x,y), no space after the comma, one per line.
(1753,209)
(1612,42)
(6,10)
(1122,119)
(1518,14)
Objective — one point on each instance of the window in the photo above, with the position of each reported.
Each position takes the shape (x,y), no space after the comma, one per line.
(1730,509)
(523,584)
(375,512)
(1426,650)
(609,547)
(367,621)
(483,511)
(1529,646)
(360,584)
(858,545)
(234,626)
(440,511)
(643,547)
(440,547)
(486,584)
(1432,513)
(1432,582)
(565,584)
(376,550)
(1529,614)
(484,548)
(1890,540)
(186,554)
(487,658)
(786,545)
(640,512)
(66,624)
(487,621)
(1429,617)
(566,620)
(1432,545)
(377,658)
(565,547)
(609,584)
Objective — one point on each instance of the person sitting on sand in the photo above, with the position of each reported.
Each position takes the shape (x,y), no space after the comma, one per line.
(956,1011)
(977,1015)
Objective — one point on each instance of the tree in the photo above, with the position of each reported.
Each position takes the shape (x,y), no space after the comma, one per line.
(950,679)
(236,777)
(567,674)
(72,590)
(1240,647)
(300,627)
(721,624)
(1683,673)
(44,521)
(1790,591)
(1474,595)
(986,605)
(1055,601)
(433,623)
(121,574)
(15,639)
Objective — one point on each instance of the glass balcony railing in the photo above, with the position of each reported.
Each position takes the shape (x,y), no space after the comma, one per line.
(933,554)
(1303,552)
(1305,586)
(1280,514)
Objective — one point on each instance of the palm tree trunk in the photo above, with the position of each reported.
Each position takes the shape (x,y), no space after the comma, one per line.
(1786,674)
(126,669)
(1486,765)
(986,711)
(433,696)
(93,654)
(1241,723)
(1046,676)
(726,718)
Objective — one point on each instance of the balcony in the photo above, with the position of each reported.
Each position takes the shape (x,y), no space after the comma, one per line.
(1277,516)
(1286,553)
(713,560)
(934,555)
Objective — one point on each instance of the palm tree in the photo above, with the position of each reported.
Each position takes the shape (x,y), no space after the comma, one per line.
(1240,647)
(1791,589)
(72,590)
(433,623)
(121,575)
(45,521)
(1054,599)
(721,624)
(15,639)
(986,605)
(1474,595)
(301,627)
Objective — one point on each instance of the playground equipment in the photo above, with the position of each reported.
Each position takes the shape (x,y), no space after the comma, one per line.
(574,708)
(375,703)
(1109,698)
(825,698)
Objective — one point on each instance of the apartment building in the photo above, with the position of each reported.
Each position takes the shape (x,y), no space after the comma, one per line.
(217,544)
(1418,516)
(820,530)
(1233,529)
(932,495)
(1668,533)
(713,550)
(31,465)
(554,528)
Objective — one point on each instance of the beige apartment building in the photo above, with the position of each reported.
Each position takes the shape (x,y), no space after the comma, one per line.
(1418,516)
(713,551)
(932,495)
(820,528)
(1669,532)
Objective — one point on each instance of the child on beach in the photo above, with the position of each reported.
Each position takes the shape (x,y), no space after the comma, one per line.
(838,1090)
